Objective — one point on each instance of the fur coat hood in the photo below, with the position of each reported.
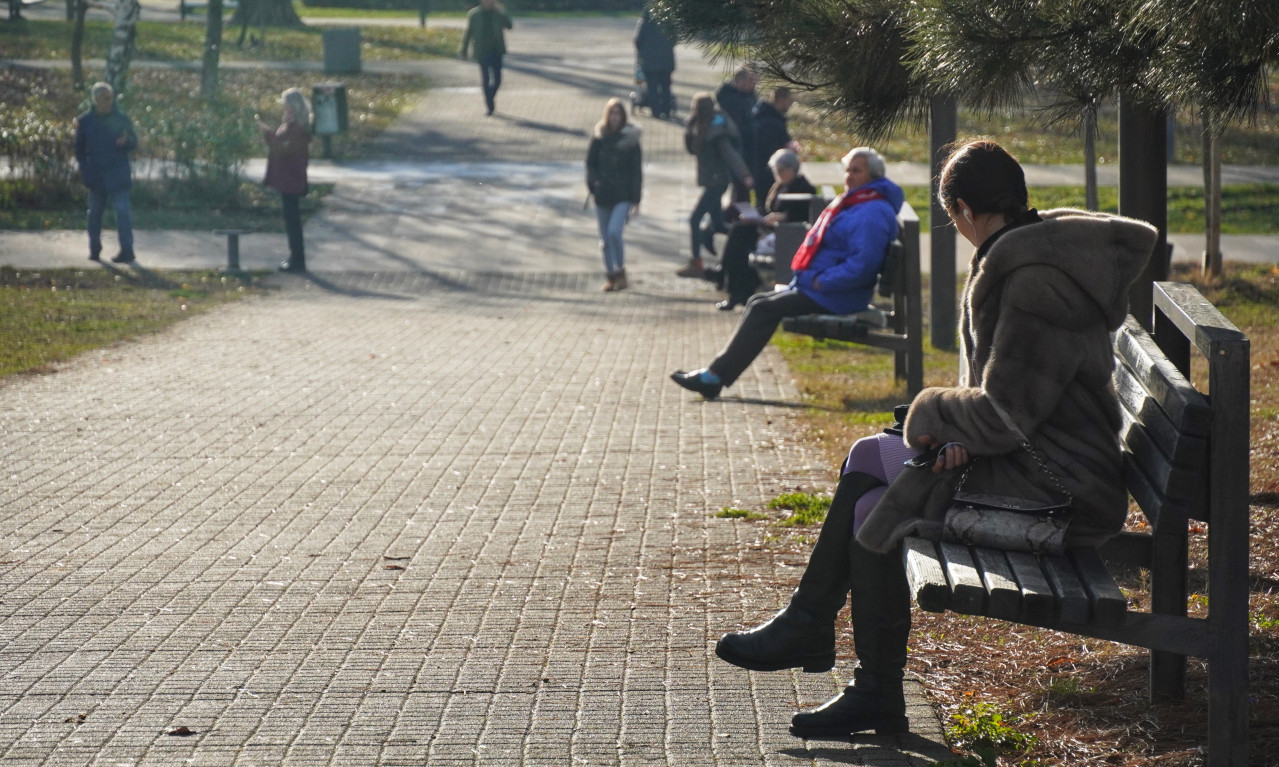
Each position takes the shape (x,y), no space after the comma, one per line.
(629,134)
(1039,311)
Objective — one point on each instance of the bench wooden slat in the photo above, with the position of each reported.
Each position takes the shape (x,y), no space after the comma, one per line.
(1037,600)
(1072,600)
(1177,483)
(1182,449)
(1154,504)
(1108,602)
(967,593)
(1003,596)
(1185,406)
(923,570)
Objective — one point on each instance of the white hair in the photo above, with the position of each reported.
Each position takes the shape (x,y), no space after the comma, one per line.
(99,88)
(874,160)
(294,99)
(784,158)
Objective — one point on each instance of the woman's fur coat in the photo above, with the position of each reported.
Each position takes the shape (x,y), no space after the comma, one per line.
(1039,311)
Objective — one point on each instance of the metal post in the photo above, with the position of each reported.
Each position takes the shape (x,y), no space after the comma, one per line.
(942,128)
(1143,191)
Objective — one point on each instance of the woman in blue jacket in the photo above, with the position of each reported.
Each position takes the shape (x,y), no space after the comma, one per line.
(834,270)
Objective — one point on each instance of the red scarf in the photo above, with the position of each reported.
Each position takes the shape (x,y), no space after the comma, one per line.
(813,241)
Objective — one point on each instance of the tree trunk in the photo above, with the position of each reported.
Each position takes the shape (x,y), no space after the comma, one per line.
(212,50)
(1090,158)
(121,51)
(77,43)
(1212,202)
(266,13)
(1143,192)
(942,129)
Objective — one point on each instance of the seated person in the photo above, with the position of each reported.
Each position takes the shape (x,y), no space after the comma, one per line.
(740,278)
(834,270)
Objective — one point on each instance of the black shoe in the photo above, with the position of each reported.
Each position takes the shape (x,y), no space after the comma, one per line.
(791,639)
(715,275)
(694,382)
(871,703)
(95,256)
(291,268)
(123,257)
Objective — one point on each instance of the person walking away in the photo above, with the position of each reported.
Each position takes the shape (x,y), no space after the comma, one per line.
(834,270)
(736,97)
(614,176)
(104,137)
(288,154)
(740,278)
(770,133)
(656,55)
(484,36)
(711,137)
(1044,294)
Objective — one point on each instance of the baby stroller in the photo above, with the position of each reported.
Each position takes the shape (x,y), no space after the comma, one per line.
(639,96)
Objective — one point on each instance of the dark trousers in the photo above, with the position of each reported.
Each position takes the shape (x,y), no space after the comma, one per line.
(740,278)
(659,93)
(707,205)
(291,203)
(490,78)
(764,312)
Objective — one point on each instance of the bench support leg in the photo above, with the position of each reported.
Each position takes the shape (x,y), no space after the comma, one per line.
(233,252)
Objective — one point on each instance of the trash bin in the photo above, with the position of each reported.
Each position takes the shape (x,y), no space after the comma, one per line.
(328,101)
(342,50)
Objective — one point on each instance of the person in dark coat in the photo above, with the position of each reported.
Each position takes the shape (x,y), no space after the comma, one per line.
(484,34)
(614,174)
(656,56)
(768,123)
(736,97)
(834,270)
(1044,294)
(711,137)
(288,154)
(104,137)
(740,278)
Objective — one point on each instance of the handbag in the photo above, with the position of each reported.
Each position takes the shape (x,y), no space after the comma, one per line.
(1009,522)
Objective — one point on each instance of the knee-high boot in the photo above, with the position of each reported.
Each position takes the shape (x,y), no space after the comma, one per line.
(803,634)
(881,627)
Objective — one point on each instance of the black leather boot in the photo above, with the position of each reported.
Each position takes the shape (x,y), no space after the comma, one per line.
(880,609)
(803,634)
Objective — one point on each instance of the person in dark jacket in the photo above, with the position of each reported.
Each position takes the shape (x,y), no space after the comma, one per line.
(1044,294)
(614,174)
(710,136)
(655,53)
(740,278)
(736,97)
(834,270)
(288,154)
(768,123)
(104,137)
(484,30)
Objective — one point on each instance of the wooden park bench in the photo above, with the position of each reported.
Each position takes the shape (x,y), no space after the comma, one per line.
(899,329)
(1185,459)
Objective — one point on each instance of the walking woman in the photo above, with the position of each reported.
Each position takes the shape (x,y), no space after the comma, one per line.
(1044,293)
(713,139)
(614,175)
(288,153)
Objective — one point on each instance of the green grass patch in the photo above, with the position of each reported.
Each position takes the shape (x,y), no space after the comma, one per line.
(804,508)
(730,512)
(50,315)
(164,41)
(983,729)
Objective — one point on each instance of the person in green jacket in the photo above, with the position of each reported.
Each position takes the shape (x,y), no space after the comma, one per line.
(484,25)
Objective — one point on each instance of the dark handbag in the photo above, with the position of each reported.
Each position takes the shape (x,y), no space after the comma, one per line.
(1008,522)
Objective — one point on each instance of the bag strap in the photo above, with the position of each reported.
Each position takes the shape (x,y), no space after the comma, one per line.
(1024,441)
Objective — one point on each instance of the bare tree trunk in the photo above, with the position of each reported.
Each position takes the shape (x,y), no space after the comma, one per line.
(1212,201)
(121,51)
(212,50)
(1090,158)
(77,43)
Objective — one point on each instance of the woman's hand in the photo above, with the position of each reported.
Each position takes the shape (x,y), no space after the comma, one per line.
(950,456)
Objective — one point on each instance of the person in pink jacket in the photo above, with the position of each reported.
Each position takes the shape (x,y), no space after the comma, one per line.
(288,153)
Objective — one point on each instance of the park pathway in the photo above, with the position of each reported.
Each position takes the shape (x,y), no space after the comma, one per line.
(435,504)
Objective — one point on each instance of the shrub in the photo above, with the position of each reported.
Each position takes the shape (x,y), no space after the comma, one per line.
(41,152)
(201,145)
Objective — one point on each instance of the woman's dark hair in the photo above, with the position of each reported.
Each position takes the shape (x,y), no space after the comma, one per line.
(986,177)
(699,121)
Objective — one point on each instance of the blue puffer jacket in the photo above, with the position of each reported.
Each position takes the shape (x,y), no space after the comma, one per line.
(104,165)
(841,276)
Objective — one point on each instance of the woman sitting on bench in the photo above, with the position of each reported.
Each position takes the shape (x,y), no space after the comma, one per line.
(740,278)
(1043,295)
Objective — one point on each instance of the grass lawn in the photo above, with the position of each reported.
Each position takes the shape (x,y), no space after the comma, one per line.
(50,315)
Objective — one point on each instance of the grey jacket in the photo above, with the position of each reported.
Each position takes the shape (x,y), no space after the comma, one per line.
(719,160)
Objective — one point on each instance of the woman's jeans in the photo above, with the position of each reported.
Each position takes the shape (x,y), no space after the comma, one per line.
(707,204)
(612,220)
(291,203)
(123,219)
